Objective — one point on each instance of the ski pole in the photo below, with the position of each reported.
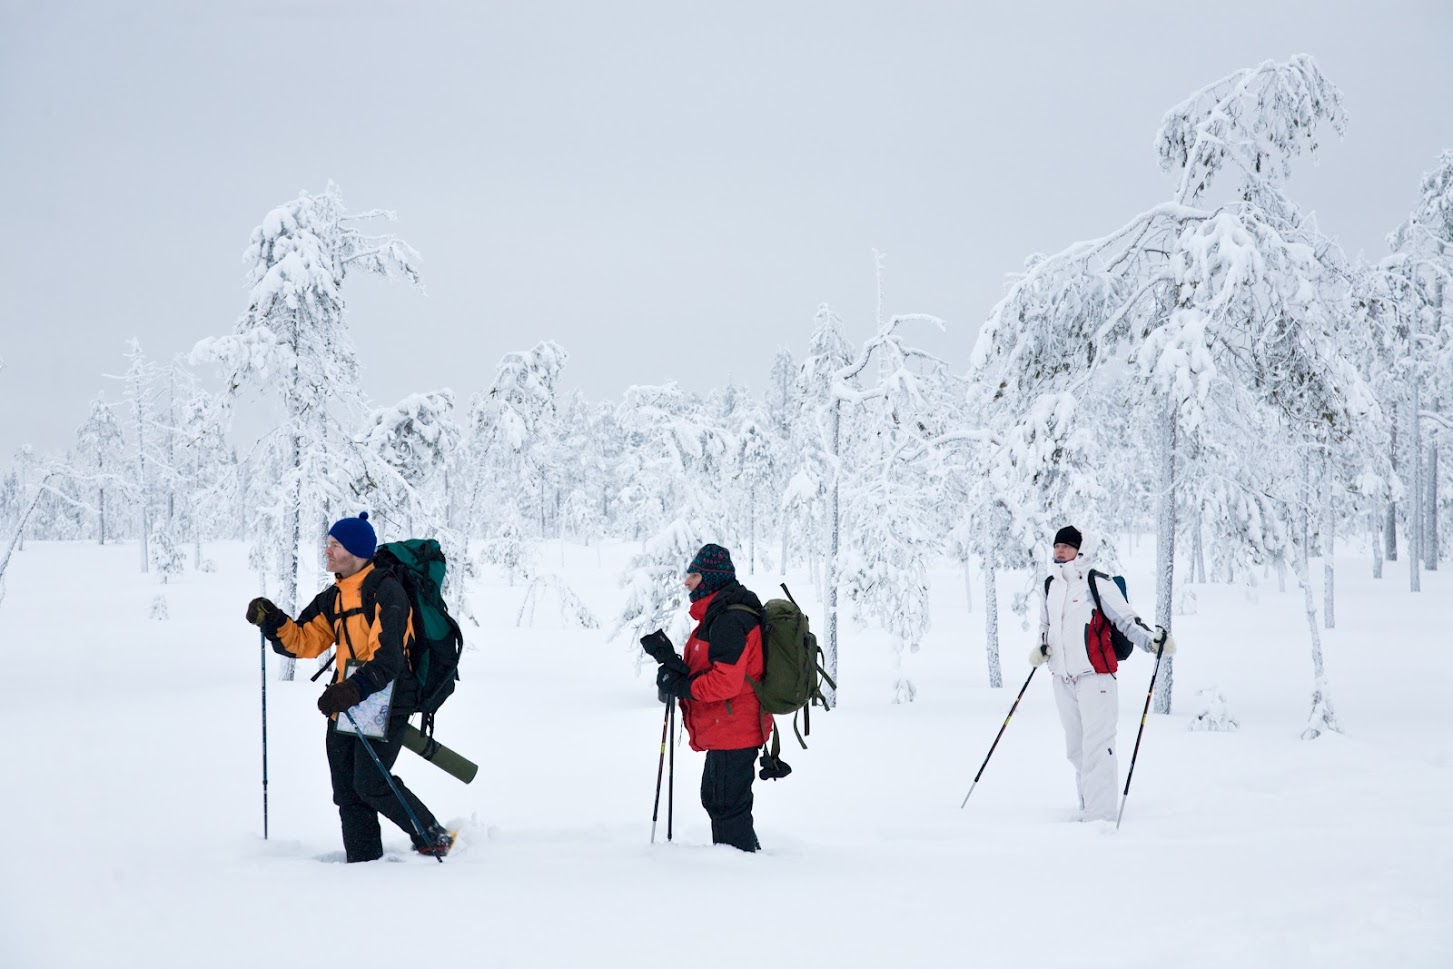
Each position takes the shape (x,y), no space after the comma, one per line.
(418,828)
(999,734)
(671,772)
(1139,733)
(262,640)
(660,767)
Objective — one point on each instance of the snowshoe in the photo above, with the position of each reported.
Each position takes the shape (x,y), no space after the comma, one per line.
(439,840)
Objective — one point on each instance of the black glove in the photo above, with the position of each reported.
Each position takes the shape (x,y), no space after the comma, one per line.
(339,697)
(773,768)
(264,615)
(658,646)
(671,681)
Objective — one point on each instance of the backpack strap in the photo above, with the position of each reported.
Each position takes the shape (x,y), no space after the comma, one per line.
(756,685)
(1094,591)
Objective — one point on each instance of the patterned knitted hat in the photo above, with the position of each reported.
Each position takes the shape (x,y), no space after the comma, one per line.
(356,535)
(714,564)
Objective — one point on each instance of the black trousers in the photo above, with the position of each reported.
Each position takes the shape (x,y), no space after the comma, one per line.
(362,794)
(726,793)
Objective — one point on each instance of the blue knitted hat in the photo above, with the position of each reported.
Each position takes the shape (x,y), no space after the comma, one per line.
(356,535)
(714,564)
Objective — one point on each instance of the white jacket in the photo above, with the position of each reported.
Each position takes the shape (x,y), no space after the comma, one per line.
(1064,617)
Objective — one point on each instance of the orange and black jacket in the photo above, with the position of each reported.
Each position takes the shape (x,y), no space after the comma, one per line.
(367,617)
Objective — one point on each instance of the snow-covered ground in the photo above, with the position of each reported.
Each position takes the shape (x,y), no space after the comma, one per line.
(132,807)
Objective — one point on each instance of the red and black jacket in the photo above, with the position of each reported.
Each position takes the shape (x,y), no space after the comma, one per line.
(723,650)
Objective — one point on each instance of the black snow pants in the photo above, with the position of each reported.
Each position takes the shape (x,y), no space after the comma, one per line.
(362,794)
(726,793)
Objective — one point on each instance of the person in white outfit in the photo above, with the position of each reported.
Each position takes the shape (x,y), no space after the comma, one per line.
(1076,644)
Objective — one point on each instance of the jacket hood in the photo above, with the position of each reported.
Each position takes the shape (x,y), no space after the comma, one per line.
(1079,567)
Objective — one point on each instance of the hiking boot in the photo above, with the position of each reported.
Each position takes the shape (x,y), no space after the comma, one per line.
(439,842)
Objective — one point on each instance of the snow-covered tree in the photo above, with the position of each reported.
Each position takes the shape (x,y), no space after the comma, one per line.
(140,393)
(755,461)
(414,441)
(292,343)
(167,559)
(1420,274)
(509,429)
(654,594)
(1189,304)
(100,441)
(812,499)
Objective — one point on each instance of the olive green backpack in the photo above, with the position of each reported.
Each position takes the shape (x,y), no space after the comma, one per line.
(793,675)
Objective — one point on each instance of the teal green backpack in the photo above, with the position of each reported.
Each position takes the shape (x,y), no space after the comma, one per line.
(418,564)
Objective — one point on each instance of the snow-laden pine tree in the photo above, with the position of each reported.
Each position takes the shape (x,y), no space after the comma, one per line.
(140,395)
(292,344)
(1190,295)
(99,442)
(585,471)
(1421,270)
(509,428)
(406,450)
(206,469)
(655,597)
(405,455)
(812,501)
(675,456)
(784,407)
(754,461)
(873,413)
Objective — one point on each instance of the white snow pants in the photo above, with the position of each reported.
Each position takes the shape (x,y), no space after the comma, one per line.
(1088,707)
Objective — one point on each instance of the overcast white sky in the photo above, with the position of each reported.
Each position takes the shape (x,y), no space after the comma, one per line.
(667,189)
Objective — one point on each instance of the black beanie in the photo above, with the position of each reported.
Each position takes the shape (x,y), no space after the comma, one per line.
(1069,535)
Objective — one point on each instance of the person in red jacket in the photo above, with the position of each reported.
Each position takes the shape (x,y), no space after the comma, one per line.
(718,705)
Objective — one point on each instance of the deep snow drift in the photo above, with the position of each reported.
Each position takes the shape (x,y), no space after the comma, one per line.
(133,807)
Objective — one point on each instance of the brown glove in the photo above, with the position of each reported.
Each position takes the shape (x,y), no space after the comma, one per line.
(339,697)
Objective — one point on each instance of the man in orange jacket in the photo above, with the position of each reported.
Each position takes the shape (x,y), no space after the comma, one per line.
(366,615)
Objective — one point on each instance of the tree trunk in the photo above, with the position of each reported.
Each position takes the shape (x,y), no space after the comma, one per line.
(834,547)
(1328,541)
(1321,718)
(1198,549)
(292,537)
(16,539)
(782,562)
(1415,481)
(1376,548)
(20,533)
(1430,506)
(752,529)
(1165,559)
(1308,493)
(141,482)
(991,623)
(968,587)
(1390,528)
